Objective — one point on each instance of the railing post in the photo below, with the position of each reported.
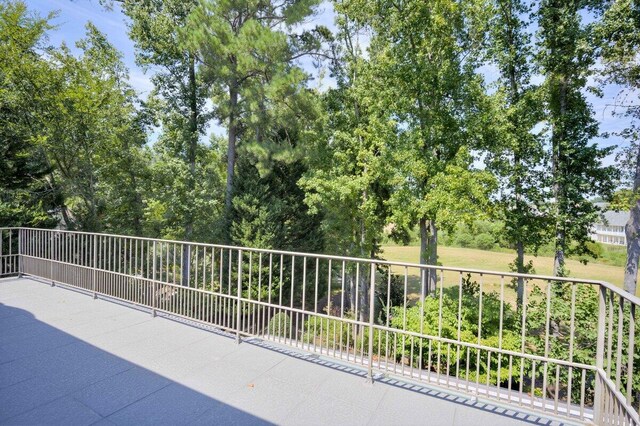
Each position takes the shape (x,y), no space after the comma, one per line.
(599,385)
(238,313)
(372,288)
(20,249)
(95,266)
(51,251)
(153,282)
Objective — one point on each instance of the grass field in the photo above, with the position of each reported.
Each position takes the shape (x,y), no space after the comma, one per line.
(496,261)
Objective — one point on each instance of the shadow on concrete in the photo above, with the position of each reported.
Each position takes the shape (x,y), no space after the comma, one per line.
(50,377)
(48,374)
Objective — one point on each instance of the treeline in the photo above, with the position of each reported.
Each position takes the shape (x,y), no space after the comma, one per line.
(408,136)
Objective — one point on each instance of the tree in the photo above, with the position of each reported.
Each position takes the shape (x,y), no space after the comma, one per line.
(424,80)
(347,181)
(169,192)
(154,28)
(26,198)
(519,156)
(91,134)
(347,177)
(618,36)
(248,63)
(565,59)
(123,178)
(269,210)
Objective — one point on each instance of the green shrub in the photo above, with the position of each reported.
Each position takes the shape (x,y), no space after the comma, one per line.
(279,325)
(464,239)
(485,242)
(409,349)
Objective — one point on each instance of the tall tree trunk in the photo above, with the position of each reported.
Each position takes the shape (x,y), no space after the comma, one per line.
(231,160)
(520,270)
(558,183)
(423,256)
(92,224)
(364,281)
(518,152)
(432,255)
(65,216)
(428,255)
(137,200)
(558,259)
(632,231)
(69,225)
(192,145)
(352,293)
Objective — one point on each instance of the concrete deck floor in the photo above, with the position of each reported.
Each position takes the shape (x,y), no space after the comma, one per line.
(67,359)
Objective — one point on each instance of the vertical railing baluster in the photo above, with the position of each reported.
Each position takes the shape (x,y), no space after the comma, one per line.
(619,342)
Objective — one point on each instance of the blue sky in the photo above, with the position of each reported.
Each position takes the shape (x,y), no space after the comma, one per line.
(73,16)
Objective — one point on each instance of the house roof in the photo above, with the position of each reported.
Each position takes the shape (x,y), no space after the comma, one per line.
(612,218)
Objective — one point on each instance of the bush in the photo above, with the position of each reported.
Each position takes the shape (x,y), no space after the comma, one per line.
(464,239)
(484,242)
(279,325)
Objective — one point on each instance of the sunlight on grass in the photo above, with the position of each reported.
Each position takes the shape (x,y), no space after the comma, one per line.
(496,261)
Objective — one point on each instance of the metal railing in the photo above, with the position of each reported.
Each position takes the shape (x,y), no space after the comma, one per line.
(561,346)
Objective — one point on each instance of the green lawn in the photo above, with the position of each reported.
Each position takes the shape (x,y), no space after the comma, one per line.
(497,261)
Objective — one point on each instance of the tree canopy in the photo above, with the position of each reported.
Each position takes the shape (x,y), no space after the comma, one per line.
(435,114)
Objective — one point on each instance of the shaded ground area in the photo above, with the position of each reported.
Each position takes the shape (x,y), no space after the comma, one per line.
(68,359)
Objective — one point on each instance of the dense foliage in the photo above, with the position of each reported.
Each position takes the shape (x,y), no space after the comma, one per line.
(396,144)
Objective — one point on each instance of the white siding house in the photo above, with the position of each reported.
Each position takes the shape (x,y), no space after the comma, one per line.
(611,229)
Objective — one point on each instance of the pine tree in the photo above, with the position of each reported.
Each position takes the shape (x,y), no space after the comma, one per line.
(247,57)
(518,157)
(566,61)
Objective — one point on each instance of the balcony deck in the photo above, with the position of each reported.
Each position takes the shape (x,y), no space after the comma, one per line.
(68,359)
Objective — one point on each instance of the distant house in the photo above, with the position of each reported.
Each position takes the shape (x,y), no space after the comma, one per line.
(611,229)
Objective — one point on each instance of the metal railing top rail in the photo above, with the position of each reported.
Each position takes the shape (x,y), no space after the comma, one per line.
(620,292)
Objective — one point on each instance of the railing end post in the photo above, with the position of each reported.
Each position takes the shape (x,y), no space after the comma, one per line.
(599,385)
